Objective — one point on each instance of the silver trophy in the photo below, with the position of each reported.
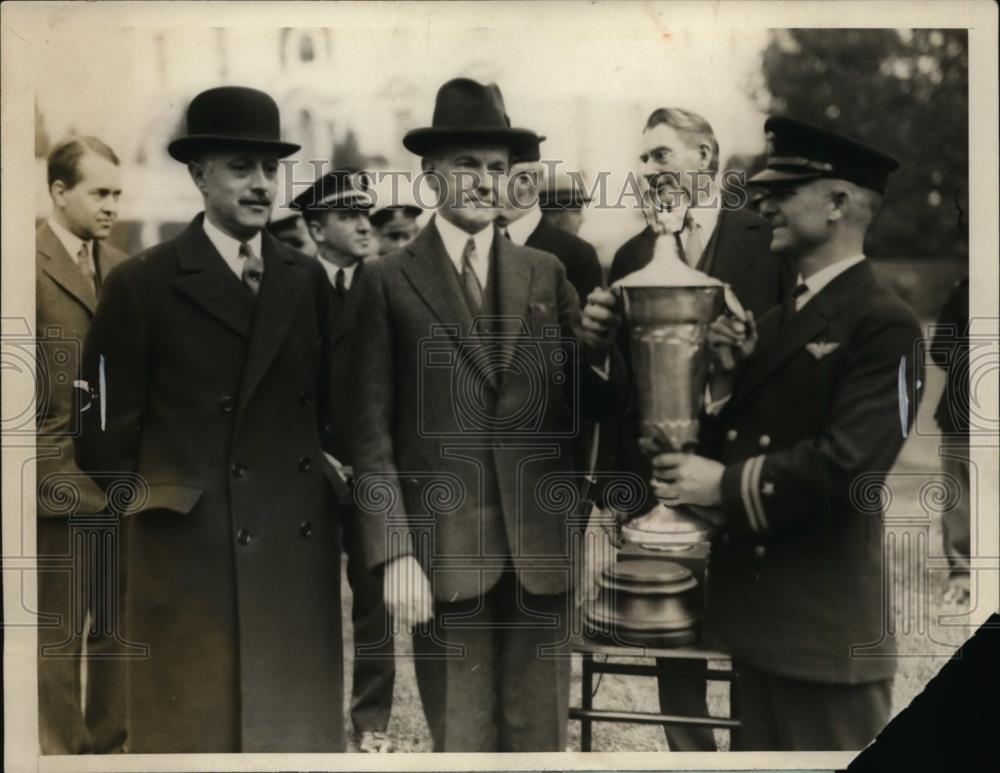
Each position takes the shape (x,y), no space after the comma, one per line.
(668,331)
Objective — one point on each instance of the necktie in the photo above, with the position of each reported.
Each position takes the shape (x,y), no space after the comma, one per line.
(338,283)
(253,268)
(506,233)
(470,281)
(690,248)
(789,307)
(86,267)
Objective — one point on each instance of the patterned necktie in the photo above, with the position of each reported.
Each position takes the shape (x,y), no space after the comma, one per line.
(253,268)
(338,283)
(86,267)
(470,280)
(691,248)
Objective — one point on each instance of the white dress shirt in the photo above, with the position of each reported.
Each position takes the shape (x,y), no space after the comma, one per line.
(705,218)
(525,226)
(229,248)
(823,277)
(332,268)
(72,243)
(455,238)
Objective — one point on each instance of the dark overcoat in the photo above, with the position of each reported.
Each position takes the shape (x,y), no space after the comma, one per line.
(218,399)
(583,269)
(812,429)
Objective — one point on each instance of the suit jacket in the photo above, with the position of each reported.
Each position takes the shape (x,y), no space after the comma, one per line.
(462,440)
(739,253)
(583,269)
(339,428)
(807,438)
(217,401)
(64,304)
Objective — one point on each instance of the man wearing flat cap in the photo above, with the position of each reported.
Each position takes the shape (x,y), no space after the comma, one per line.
(208,360)
(335,209)
(477,366)
(818,407)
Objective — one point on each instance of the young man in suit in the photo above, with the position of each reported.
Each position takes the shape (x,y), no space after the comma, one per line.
(475,352)
(71,259)
(811,427)
(210,353)
(521,221)
(335,209)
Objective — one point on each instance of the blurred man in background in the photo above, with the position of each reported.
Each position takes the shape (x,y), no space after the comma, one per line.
(797,572)
(562,204)
(522,222)
(395,225)
(71,261)
(335,210)
(950,351)
(292,230)
(213,349)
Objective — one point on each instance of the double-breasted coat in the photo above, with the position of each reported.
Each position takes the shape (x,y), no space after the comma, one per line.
(218,400)
(813,427)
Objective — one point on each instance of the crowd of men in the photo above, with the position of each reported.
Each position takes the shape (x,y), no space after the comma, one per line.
(278,390)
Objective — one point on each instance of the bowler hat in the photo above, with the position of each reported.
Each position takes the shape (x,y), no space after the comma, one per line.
(231,116)
(467,111)
(798,152)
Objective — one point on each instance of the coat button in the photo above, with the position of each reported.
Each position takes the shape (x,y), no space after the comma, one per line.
(239,469)
(765,441)
(305,529)
(227,403)
(305,398)
(244,537)
(305,464)
(759,550)
(731,435)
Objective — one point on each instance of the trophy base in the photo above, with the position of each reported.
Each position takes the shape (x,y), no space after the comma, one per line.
(667,528)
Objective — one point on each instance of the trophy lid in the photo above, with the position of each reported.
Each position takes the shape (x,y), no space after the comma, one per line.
(647,570)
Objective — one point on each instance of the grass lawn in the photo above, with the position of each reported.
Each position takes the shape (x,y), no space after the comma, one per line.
(927,632)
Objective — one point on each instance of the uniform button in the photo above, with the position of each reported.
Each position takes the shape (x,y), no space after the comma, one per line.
(305,529)
(765,441)
(227,403)
(239,469)
(305,464)
(305,398)
(759,551)
(731,435)
(244,537)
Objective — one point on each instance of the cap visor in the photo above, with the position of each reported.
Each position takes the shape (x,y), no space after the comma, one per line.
(778,176)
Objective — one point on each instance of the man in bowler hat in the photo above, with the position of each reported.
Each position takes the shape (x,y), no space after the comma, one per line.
(335,209)
(475,351)
(811,427)
(209,358)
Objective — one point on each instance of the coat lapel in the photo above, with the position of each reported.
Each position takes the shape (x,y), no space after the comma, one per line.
(433,276)
(814,317)
(513,273)
(730,249)
(209,283)
(61,268)
(278,302)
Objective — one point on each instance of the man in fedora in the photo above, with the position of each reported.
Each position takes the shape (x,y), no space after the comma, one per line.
(335,209)
(476,367)
(209,360)
(812,426)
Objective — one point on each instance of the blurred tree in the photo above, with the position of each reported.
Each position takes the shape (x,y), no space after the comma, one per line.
(903,91)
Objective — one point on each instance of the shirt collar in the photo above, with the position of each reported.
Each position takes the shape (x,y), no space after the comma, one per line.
(332,268)
(69,240)
(228,247)
(455,238)
(824,276)
(521,229)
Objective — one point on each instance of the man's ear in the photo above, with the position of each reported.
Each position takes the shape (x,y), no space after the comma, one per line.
(56,191)
(840,203)
(315,228)
(197,172)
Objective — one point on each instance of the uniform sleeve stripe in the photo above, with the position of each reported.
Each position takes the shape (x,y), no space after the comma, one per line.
(755,493)
(745,475)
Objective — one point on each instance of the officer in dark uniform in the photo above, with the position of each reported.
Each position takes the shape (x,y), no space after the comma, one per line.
(811,427)
(562,204)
